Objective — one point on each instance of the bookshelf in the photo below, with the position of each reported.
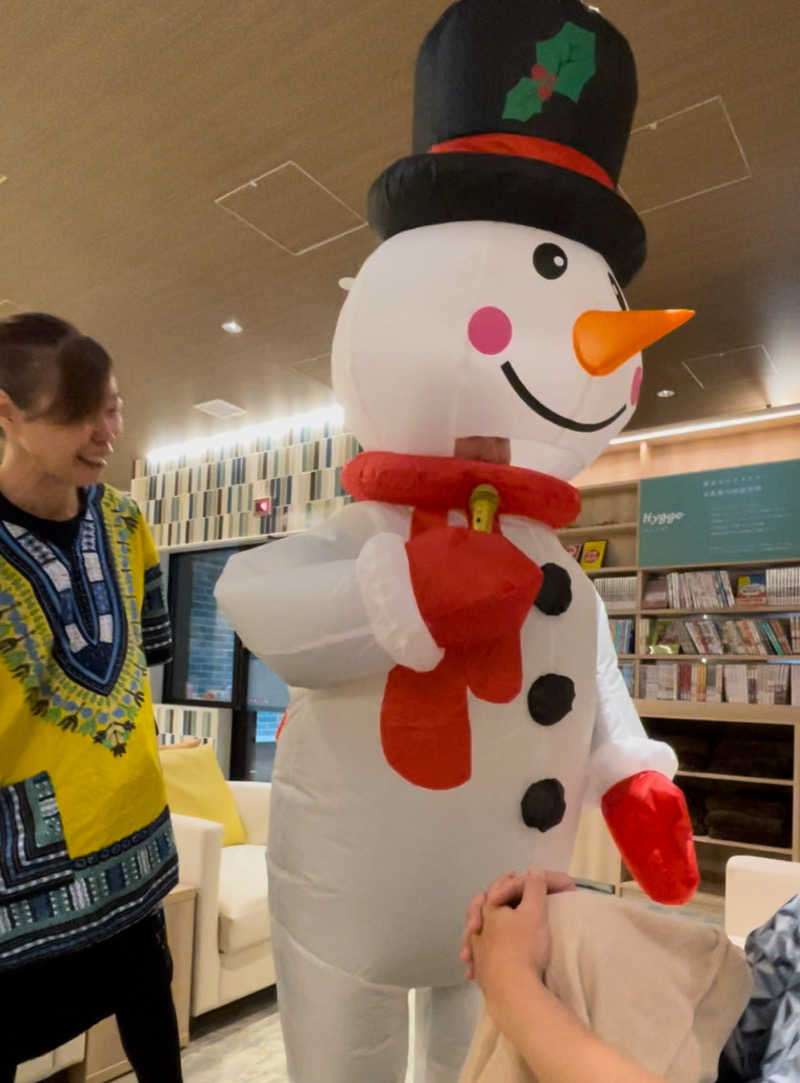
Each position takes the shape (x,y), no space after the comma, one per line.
(745,802)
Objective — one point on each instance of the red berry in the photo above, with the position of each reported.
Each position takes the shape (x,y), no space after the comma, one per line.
(550,78)
(538,72)
(544,92)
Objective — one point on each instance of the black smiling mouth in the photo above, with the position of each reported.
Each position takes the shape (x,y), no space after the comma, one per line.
(550,415)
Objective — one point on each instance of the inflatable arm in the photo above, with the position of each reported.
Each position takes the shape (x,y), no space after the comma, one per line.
(645,812)
(329,606)
(620,746)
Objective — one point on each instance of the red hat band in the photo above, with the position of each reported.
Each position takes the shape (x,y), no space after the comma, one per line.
(527,146)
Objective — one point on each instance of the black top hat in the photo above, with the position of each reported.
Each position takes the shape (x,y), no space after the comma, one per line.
(522,113)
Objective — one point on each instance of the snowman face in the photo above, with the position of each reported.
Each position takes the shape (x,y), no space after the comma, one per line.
(466,329)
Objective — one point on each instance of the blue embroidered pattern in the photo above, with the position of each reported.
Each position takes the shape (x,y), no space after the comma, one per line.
(79,595)
(108,891)
(70,627)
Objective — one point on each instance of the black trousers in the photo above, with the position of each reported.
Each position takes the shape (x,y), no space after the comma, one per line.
(50,1002)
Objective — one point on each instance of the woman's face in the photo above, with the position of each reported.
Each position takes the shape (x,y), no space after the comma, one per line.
(74,454)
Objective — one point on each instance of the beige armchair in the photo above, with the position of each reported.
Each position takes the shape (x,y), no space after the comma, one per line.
(43,1067)
(755,887)
(232,942)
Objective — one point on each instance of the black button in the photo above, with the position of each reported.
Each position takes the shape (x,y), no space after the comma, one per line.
(555,596)
(550,698)
(543,805)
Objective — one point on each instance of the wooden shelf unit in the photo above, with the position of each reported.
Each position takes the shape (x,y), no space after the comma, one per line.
(606,528)
(716,659)
(618,504)
(758,713)
(707,840)
(737,611)
(751,779)
(600,573)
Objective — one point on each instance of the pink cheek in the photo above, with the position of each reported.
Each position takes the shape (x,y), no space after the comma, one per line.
(489,330)
(636,386)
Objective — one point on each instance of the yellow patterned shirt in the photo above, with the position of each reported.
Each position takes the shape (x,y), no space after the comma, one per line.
(86,847)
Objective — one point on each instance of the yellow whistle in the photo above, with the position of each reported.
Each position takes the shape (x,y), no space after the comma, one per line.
(483,504)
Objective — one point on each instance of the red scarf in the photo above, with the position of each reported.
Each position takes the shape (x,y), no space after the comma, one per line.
(425,729)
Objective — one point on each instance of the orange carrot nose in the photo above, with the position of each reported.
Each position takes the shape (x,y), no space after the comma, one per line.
(605,340)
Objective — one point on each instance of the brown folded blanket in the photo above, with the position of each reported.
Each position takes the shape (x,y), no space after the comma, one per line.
(748,819)
(748,827)
(751,806)
(663,990)
(693,752)
(765,758)
(697,811)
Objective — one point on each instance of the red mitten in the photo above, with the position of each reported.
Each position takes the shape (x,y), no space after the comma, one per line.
(649,821)
(471,587)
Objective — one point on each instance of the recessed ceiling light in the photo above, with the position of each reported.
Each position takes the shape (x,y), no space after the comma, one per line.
(209,445)
(219,408)
(3,179)
(233,327)
(640,435)
(665,393)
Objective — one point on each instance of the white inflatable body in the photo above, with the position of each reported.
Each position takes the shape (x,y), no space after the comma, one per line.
(370,875)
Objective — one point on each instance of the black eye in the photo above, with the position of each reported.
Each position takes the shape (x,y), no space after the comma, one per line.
(550,260)
(615,286)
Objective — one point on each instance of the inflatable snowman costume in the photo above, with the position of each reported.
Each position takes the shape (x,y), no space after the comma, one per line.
(457,696)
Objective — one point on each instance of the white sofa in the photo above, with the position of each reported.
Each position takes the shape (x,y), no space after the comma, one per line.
(232,943)
(755,887)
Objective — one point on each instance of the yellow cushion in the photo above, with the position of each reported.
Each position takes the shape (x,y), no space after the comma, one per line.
(197,787)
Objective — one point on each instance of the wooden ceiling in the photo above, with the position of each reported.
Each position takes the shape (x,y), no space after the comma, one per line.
(128,130)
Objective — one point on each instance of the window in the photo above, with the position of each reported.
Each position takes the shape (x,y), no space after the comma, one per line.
(210,665)
(205,643)
(267,699)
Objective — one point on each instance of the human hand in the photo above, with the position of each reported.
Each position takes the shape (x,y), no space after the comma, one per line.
(471,587)
(506,890)
(506,935)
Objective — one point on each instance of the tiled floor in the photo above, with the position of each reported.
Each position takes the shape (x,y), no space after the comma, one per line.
(240,1043)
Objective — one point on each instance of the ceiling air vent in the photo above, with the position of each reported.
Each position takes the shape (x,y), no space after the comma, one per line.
(219,408)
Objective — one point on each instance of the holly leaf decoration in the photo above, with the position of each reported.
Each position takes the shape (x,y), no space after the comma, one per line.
(570,54)
(522,101)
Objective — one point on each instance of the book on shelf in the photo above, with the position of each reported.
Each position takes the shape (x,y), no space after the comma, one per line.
(627,670)
(717,636)
(699,590)
(622,634)
(783,586)
(705,636)
(795,683)
(731,683)
(683,681)
(655,593)
(751,589)
(593,554)
(618,592)
(574,550)
(713,589)
(661,636)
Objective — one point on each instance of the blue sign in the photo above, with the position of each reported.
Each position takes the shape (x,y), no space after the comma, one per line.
(748,513)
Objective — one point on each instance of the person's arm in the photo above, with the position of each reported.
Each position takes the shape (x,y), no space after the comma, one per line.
(156,625)
(506,947)
(556,1045)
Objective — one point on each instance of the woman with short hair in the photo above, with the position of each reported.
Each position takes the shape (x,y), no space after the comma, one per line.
(86,846)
